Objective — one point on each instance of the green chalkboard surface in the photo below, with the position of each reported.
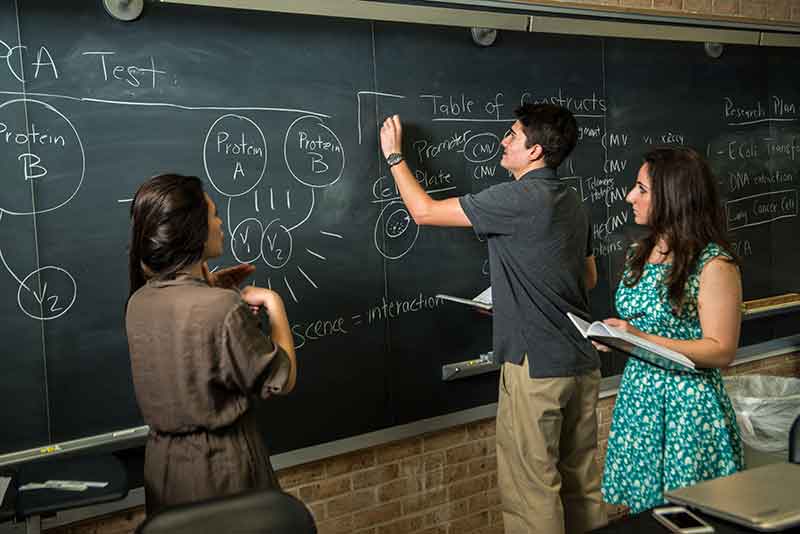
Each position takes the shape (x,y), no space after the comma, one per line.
(278,115)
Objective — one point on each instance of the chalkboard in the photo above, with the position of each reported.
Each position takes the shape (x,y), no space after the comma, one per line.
(278,115)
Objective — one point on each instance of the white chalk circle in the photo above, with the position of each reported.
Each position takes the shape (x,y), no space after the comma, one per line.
(481,148)
(397,223)
(395,232)
(276,245)
(313,153)
(234,155)
(41,155)
(50,297)
(246,240)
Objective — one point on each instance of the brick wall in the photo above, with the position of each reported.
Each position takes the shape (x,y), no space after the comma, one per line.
(439,483)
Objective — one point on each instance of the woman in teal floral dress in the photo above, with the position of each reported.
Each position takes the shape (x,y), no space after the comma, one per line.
(681,282)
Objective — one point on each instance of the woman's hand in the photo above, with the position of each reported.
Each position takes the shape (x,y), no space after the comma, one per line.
(229,277)
(620,324)
(601,347)
(392,136)
(623,325)
(281,333)
(256,297)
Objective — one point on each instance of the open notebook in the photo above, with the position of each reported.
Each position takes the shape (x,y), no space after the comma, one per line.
(633,345)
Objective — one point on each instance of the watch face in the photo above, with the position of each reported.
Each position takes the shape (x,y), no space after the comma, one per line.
(394,159)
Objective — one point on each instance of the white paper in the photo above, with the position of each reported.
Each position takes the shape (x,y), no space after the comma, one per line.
(66,485)
(485,296)
(4,482)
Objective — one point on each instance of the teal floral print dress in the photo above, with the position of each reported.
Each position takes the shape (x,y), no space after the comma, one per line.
(670,428)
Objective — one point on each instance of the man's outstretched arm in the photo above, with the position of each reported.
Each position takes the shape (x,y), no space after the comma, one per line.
(423,209)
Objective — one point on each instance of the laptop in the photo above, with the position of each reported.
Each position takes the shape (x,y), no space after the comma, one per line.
(764,498)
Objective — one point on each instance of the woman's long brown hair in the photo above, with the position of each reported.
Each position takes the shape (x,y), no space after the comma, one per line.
(685,211)
(169,228)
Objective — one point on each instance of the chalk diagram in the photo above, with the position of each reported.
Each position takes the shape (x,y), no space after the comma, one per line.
(43,154)
(235,156)
(396,232)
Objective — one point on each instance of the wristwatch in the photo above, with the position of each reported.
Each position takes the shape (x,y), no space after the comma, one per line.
(394,158)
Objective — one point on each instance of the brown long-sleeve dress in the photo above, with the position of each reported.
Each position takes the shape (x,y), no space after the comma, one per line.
(198,357)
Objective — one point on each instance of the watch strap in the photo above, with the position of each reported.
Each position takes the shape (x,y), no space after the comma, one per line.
(394,158)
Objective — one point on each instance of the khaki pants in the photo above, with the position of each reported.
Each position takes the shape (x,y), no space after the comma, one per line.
(548,477)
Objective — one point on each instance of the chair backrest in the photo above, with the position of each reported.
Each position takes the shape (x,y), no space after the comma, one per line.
(794,438)
(256,512)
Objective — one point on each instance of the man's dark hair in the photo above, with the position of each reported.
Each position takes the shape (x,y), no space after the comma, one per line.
(552,127)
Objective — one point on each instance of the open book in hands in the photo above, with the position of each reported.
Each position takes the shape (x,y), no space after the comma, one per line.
(633,345)
(483,300)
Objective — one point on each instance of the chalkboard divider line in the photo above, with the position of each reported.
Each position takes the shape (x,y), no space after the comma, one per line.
(35,232)
(449,119)
(202,108)
(747,123)
(308,215)
(455,119)
(358,105)
(3,259)
(291,291)
(310,281)
(382,200)
(164,104)
(46,95)
(768,193)
(323,258)
(759,223)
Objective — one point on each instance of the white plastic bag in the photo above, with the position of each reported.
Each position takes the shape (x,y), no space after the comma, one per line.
(765,406)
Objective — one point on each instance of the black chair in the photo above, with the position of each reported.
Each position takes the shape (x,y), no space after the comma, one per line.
(794,441)
(256,512)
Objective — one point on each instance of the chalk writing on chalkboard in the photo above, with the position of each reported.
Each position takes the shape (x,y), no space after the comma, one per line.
(52,159)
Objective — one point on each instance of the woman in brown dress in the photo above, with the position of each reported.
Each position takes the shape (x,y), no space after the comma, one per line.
(197,354)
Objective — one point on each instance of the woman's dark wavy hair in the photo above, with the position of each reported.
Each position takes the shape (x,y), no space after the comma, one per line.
(169,228)
(685,210)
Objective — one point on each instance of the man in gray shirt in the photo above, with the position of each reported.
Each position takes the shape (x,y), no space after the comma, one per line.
(542,267)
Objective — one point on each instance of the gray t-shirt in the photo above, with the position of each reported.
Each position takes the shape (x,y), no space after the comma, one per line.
(539,237)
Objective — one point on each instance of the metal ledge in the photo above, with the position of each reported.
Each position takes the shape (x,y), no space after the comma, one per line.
(576,9)
(374,11)
(516,16)
(780,39)
(120,439)
(633,30)
(783,309)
